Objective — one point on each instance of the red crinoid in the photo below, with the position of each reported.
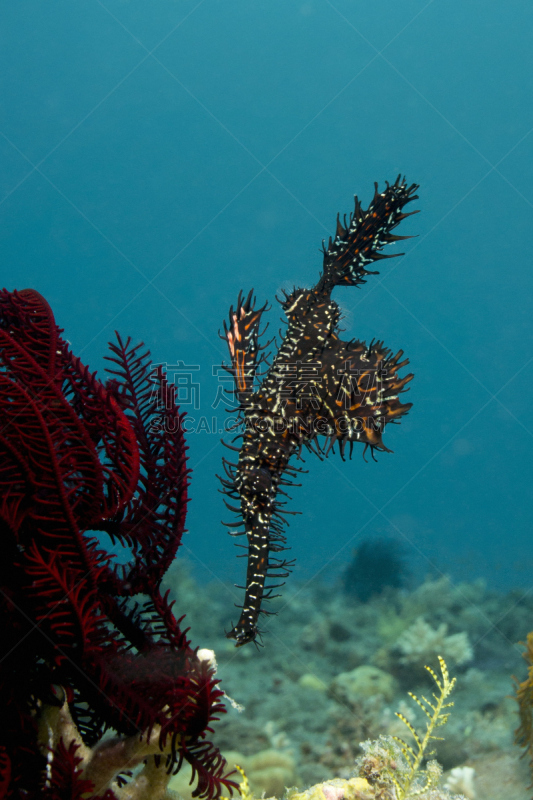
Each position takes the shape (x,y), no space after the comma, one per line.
(80,634)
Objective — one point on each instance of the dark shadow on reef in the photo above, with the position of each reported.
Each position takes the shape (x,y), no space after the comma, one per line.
(376,564)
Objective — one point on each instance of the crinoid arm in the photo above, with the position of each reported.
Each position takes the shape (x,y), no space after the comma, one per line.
(242,337)
(359,240)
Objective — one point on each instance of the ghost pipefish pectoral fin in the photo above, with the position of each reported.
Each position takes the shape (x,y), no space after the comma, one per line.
(317,392)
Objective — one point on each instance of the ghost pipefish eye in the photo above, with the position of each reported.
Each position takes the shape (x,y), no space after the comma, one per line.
(318,392)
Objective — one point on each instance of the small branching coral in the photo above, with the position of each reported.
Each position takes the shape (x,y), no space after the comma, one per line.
(392,765)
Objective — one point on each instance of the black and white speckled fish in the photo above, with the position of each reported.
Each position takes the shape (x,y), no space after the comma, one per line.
(318,392)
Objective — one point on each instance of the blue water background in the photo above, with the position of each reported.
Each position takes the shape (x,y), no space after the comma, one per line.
(159,156)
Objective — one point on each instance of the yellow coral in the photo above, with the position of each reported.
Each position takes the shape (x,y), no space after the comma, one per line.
(437,717)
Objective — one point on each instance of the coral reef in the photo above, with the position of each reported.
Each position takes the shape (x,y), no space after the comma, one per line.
(421,643)
(390,768)
(87,644)
(323,633)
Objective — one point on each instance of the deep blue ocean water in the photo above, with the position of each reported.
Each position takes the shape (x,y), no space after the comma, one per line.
(159,156)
